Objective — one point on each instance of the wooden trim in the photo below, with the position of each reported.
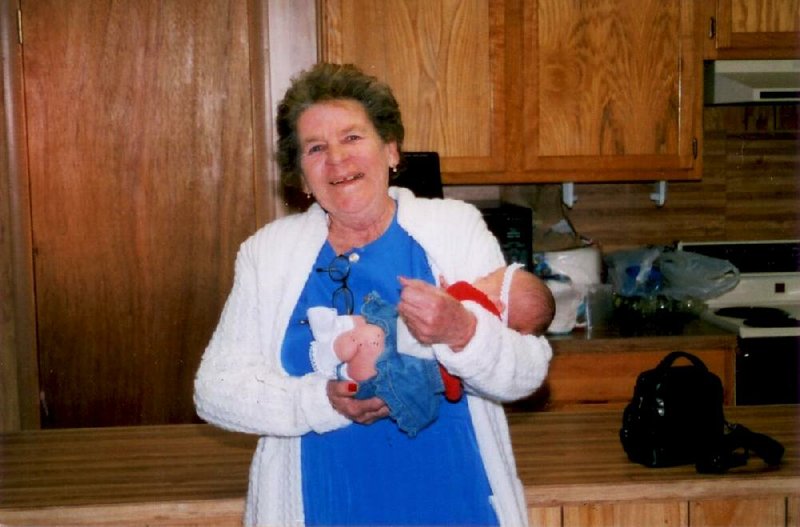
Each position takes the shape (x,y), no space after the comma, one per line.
(258,22)
(289,45)
(282,41)
(18,357)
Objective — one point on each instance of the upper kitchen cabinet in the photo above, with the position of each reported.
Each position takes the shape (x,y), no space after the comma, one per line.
(612,91)
(519,91)
(445,63)
(752,29)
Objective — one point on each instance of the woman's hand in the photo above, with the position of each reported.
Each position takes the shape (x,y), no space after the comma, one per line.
(364,411)
(433,316)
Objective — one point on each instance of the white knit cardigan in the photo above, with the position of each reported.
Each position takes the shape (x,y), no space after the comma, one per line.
(242,386)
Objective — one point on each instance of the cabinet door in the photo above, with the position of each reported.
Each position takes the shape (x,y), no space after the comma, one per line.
(667,514)
(612,90)
(764,512)
(444,62)
(141,182)
(753,29)
(544,516)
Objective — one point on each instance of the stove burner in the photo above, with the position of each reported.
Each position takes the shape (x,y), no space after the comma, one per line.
(760,317)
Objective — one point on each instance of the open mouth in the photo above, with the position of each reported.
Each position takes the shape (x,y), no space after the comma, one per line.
(348,179)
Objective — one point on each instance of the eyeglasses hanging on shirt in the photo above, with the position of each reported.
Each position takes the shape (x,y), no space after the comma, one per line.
(339,270)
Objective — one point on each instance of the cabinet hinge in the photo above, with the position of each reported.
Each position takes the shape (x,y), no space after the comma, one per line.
(712,28)
(19,25)
(694,147)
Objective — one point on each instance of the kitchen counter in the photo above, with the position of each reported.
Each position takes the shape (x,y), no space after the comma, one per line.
(124,476)
(695,334)
(567,458)
(170,475)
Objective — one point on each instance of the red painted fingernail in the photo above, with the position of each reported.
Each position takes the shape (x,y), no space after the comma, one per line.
(352,387)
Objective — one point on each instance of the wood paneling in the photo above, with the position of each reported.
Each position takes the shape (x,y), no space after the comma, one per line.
(141,168)
(750,188)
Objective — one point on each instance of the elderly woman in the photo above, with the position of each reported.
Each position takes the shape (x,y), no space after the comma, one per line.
(325,457)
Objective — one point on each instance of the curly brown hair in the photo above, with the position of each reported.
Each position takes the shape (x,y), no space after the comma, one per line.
(326,82)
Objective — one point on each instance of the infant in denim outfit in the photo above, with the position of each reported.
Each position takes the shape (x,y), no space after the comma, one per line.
(365,348)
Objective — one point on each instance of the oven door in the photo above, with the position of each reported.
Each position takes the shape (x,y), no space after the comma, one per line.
(767,370)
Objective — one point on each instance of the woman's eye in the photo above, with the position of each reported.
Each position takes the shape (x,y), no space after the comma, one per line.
(352,137)
(314,149)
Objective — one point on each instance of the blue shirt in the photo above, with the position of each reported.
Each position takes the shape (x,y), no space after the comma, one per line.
(376,474)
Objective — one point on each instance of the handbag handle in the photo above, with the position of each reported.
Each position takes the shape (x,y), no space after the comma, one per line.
(667,361)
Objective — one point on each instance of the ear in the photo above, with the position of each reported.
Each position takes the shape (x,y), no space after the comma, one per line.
(393,154)
(497,302)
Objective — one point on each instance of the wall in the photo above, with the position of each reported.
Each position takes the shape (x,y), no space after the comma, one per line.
(750,188)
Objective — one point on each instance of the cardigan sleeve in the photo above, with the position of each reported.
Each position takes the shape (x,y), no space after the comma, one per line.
(498,363)
(239,384)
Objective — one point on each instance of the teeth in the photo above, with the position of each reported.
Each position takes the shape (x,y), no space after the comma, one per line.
(348,179)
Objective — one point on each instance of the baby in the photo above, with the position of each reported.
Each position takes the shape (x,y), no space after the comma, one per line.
(522,301)
(350,347)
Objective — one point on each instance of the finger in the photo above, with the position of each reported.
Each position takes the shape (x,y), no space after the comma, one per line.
(342,388)
(443,283)
(378,413)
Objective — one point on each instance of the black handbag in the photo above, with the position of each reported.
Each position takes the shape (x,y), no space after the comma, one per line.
(676,418)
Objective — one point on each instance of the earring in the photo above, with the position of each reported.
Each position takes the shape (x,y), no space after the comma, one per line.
(394,169)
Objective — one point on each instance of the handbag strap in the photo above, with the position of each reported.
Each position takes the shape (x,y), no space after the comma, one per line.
(735,448)
(667,361)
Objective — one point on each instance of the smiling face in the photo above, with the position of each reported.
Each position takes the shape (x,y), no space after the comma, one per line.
(345,163)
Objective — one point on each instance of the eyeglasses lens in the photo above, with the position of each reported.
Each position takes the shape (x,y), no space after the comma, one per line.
(343,300)
(339,270)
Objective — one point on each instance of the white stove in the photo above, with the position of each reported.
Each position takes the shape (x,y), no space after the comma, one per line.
(761,305)
(766,302)
(763,309)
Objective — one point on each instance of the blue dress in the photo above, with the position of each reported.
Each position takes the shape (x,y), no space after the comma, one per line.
(376,474)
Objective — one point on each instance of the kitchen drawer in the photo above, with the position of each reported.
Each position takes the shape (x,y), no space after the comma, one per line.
(577,381)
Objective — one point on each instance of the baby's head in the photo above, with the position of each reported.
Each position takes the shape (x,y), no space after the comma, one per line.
(529,305)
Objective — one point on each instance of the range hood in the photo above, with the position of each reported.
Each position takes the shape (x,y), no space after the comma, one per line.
(751,81)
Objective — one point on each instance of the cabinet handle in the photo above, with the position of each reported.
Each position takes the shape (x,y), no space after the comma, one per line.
(712,28)
(694,147)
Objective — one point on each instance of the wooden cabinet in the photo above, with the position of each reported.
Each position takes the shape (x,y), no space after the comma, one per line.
(583,380)
(764,512)
(601,372)
(140,162)
(445,63)
(134,162)
(515,91)
(612,90)
(752,29)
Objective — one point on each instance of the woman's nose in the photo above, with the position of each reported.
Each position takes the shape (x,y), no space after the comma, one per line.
(336,154)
